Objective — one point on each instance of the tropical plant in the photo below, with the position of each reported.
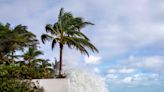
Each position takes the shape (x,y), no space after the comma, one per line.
(21,38)
(66,31)
(31,56)
(16,85)
(12,80)
(46,69)
(4,31)
(39,68)
(14,39)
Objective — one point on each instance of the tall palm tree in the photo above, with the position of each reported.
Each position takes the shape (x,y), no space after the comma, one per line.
(66,31)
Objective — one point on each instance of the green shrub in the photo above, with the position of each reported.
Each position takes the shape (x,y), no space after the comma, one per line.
(17,85)
(12,80)
(24,72)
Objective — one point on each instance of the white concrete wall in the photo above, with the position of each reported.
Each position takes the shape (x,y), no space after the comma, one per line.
(54,85)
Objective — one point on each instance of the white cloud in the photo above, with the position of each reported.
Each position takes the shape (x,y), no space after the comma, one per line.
(112,77)
(121,70)
(127,80)
(112,71)
(150,63)
(132,64)
(92,59)
(153,62)
(142,78)
(135,79)
(127,27)
(126,70)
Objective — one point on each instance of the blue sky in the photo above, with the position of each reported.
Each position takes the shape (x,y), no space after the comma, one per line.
(128,33)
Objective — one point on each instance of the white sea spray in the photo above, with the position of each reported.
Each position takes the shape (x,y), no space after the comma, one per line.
(84,81)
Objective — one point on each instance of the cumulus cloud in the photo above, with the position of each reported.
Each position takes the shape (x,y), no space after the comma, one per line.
(111,77)
(128,27)
(121,70)
(92,59)
(145,79)
(128,80)
(135,79)
(149,63)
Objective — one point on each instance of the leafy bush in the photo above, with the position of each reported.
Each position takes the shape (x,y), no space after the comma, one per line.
(11,80)
(16,85)
(16,78)
(24,72)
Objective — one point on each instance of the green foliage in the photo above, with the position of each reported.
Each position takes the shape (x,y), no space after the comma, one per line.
(24,72)
(15,79)
(31,54)
(14,39)
(20,39)
(16,85)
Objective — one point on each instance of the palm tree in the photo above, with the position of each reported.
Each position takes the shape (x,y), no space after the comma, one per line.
(21,38)
(15,39)
(66,31)
(4,30)
(31,56)
(45,63)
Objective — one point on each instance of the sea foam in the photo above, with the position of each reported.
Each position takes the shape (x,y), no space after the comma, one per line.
(84,81)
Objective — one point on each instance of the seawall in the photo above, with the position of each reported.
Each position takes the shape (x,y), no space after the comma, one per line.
(54,85)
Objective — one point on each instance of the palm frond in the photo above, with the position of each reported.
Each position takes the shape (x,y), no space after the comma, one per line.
(37,53)
(61,13)
(53,43)
(75,33)
(88,23)
(67,16)
(79,44)
(72,44)
(56,28)
(87,44)
(49,29)
(82,42)
(32,53)
(45,37)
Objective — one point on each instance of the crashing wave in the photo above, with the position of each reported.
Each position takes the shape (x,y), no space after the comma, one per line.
(83,81)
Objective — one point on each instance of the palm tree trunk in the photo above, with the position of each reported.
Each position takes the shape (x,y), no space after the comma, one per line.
(61,54)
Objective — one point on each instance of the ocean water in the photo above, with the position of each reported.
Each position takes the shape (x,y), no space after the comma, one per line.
(84,81)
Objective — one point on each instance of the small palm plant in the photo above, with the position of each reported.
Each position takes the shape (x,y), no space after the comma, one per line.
(66,31)
(31,56)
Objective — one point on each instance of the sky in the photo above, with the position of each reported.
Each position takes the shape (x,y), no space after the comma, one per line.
(128,33)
